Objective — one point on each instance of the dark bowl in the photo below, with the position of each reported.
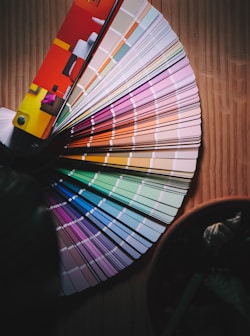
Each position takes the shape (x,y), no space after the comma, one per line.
(183,253)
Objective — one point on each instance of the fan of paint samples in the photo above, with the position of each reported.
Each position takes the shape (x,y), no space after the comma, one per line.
(115,110)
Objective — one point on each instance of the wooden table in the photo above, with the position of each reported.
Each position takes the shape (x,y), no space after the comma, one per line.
(216,37)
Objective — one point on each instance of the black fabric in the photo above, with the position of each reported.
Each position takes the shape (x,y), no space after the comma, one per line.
(29,256)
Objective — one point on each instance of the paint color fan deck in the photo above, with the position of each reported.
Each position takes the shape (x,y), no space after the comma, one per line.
(122,101)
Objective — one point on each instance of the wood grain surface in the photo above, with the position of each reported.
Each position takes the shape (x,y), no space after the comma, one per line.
(216,37)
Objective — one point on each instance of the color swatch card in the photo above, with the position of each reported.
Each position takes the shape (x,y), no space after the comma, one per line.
(122,124)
